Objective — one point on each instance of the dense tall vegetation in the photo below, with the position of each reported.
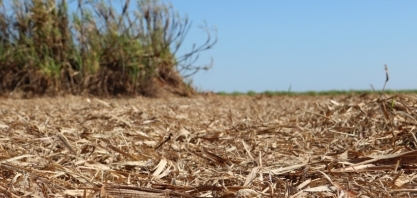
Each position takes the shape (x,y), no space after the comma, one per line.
(93,48)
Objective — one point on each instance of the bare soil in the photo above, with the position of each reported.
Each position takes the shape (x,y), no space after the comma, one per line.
(209,146)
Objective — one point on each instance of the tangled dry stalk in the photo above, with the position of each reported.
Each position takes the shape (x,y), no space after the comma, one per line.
(209,146)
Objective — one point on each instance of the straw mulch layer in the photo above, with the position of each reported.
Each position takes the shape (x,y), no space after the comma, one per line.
(209,146)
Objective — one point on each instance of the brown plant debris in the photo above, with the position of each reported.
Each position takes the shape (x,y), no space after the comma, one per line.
(209,146)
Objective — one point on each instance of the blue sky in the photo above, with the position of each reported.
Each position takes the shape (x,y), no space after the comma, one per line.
(308,45)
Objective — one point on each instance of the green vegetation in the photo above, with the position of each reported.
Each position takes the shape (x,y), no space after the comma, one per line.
(46,48)
(251,93)
(317,93)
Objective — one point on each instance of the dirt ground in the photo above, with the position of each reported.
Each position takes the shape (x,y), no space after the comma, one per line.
(209,146)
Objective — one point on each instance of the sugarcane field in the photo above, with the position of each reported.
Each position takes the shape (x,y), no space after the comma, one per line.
(265,99)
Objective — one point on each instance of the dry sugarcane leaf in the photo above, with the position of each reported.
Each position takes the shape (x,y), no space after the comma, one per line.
(365,144)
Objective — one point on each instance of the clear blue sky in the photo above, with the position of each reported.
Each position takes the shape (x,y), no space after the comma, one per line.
(310,45)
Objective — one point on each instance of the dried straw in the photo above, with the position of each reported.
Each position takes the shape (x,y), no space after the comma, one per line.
(209,146)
